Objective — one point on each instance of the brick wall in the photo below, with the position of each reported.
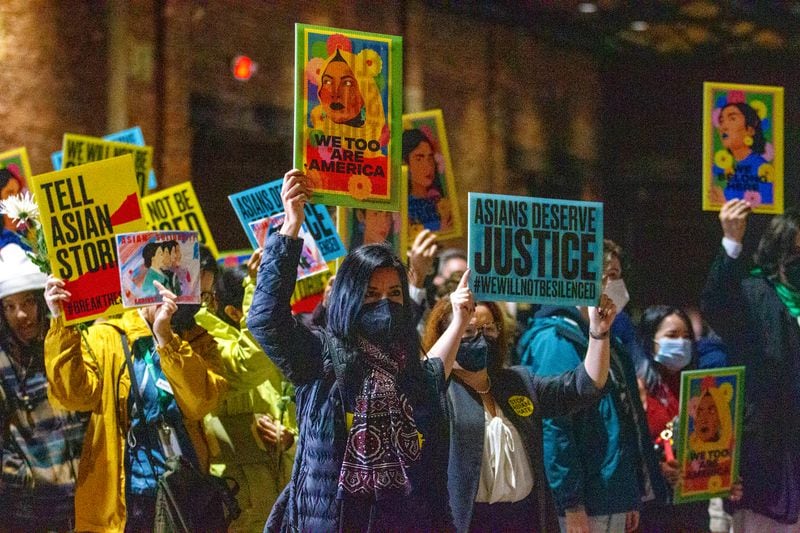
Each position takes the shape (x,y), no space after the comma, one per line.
(510,101)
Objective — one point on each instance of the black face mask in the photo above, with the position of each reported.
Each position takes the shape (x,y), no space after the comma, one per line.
(473,353)
(382,321)
(792,272)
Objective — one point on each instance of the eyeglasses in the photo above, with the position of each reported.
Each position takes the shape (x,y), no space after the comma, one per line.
(489,330)
(207,297)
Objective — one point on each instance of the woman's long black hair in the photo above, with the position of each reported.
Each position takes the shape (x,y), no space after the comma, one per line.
(651,320)
(347,298)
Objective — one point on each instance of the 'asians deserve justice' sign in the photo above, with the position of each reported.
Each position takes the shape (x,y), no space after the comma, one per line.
(538,250)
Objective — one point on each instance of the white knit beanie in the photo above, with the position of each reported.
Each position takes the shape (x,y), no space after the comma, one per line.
(17,272)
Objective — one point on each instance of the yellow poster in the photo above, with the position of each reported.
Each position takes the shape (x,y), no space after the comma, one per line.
(82,149)
(177,208)
(81,209)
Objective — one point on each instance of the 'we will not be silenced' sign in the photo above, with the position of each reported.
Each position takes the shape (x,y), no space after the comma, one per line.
(535,250)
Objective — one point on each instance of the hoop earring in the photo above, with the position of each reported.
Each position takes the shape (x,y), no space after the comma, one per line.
(748,140)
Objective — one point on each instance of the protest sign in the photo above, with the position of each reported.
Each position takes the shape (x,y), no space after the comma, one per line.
(132,135)
(432,198)
(16,162)
(81,208)
(81,149)
(537,250)
(743,146)
(348,106)
(233,258)
(170,257)
(709,437)
(369,226)
(308,292)
(311,259)
(177,208)
(265,200)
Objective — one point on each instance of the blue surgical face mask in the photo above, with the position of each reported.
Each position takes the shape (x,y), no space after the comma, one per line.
(382,321)
(473,353)
(675,354)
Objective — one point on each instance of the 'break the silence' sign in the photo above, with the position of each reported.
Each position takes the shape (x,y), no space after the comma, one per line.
(536,250)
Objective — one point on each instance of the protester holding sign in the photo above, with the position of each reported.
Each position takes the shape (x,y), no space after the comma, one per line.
(599,460)
(126,456)
(667,341)
(496,473)
(40,443)
(253,428)
(756,314)
(361,376)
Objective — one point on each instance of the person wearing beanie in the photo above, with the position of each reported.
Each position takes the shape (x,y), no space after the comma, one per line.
(40,443)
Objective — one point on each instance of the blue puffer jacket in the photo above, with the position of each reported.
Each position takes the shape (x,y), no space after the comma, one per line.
(323,370)
(599,457)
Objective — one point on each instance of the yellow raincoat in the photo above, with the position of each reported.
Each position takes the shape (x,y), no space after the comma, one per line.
(99,383)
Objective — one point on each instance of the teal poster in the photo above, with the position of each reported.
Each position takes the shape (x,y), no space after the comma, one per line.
(131,136)
(535,250)
(265,200)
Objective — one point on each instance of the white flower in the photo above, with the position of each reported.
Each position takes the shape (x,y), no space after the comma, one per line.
(21,208)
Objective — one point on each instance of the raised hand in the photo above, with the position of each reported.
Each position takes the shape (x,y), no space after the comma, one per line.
(162,315)
(55,295)
(463,301)
(421,255)
(602,316)
(733,219)
(295,192)
(253,263)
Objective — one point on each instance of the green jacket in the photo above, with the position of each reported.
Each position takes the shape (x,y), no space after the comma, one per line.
(255,388)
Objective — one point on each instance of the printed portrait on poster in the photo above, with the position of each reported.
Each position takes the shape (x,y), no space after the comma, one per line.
(347,115)
(15,170)
(432,200)
(370,226)
(711,406)
(171,258)
(311,259)
(743,146)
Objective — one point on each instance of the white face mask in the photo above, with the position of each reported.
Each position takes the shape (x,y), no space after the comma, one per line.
(675,354)
(616,290)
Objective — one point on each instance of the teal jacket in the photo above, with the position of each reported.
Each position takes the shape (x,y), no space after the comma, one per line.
(599,457)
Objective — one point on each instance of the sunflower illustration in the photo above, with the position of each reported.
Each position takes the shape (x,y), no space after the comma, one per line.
(359,187)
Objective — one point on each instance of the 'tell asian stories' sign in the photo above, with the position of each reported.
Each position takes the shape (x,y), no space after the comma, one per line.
(537,250)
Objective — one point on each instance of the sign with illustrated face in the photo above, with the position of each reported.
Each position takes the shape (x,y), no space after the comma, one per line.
(432,199)
(171,258)
(348,108)
(743,146)
(712,407)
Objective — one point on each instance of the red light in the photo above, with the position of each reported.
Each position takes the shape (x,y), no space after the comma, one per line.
(243,68)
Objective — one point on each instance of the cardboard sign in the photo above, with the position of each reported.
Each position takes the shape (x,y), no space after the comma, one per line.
(82,149)
(348,106)
(432,197)
(265,200)
(81,209)
(537,250)
(743,146)
(177,208)
(170,257)
(132,135)
(709,443)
